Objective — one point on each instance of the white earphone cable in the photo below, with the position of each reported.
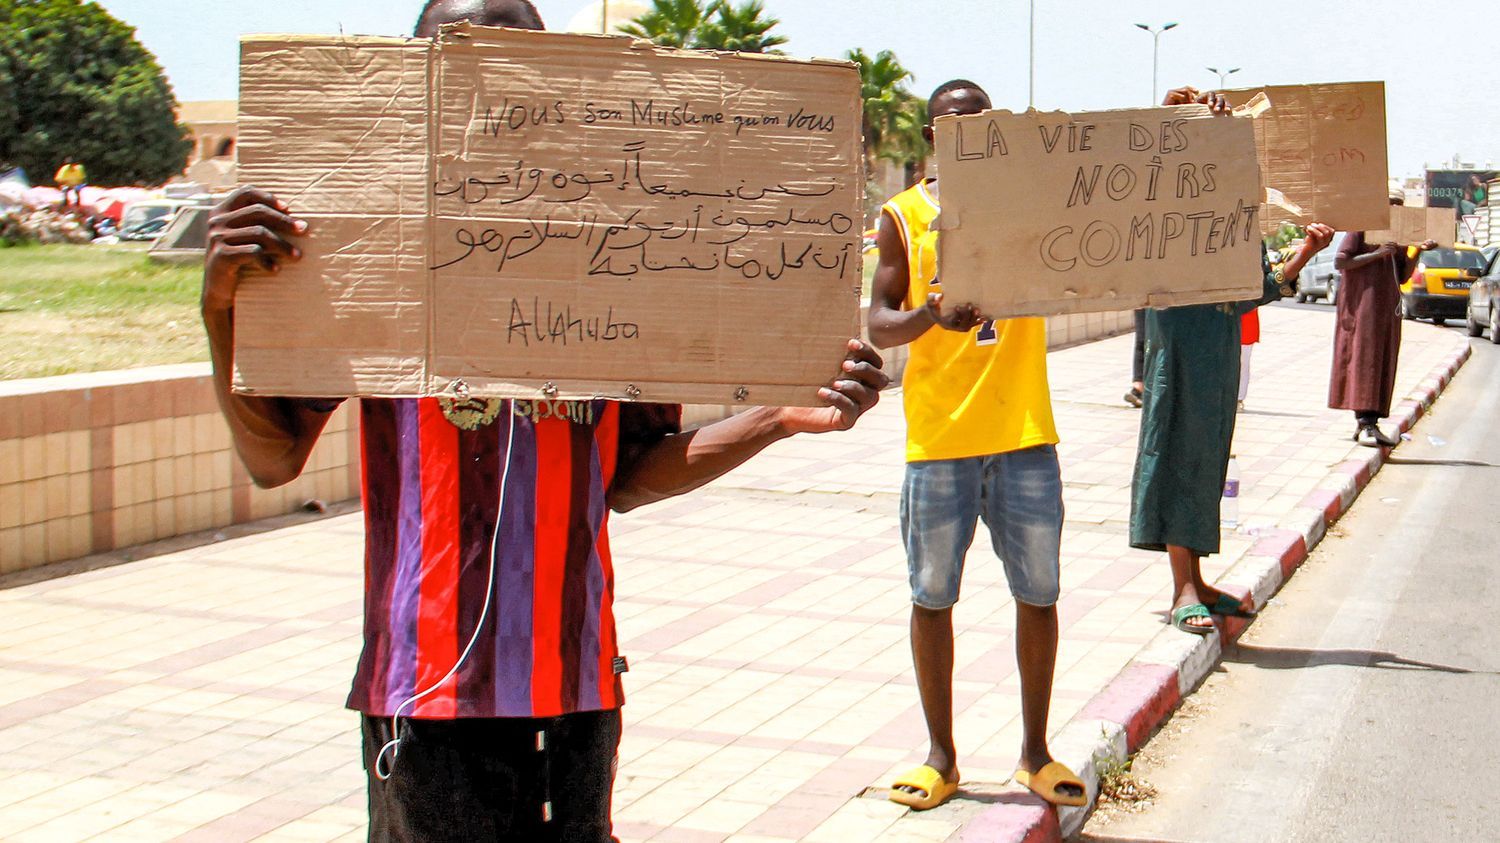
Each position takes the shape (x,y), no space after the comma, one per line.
(383,767)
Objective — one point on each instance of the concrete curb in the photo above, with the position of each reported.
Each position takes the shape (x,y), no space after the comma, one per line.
(1145,693)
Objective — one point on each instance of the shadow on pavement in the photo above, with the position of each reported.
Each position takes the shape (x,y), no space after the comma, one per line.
(1459,463)
(1007,797)
(1252,412)
(188,541)
(1115,839)
(1290,658)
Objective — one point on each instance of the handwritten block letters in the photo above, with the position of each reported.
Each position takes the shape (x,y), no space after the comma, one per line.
(531,215)
(1048,213)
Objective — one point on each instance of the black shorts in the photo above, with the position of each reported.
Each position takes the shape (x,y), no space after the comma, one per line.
(505,779)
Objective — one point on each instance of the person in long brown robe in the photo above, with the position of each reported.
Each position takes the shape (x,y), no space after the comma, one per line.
(1367,338)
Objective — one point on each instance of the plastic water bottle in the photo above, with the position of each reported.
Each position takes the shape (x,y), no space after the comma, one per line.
(1229,508)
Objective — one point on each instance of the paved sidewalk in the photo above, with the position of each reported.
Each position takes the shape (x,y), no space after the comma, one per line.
(198,693)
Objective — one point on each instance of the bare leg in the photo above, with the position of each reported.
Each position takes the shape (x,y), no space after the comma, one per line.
(1036,656)
(1187,583)
(932,654)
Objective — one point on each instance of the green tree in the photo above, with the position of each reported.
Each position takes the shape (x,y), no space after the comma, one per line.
(908,145)
(1284,235)
(893,116)
(9,115)
(81,85)
(718,25)
(740,29)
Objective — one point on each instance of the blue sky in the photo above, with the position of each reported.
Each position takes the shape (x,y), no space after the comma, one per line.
(1440,70)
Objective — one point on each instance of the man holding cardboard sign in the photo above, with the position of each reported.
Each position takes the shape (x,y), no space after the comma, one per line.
(1187,425)
(490,680)
(980,445)
(1367,338)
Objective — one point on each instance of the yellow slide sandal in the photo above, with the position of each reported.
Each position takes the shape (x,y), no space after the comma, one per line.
(932,789)
(1044,783)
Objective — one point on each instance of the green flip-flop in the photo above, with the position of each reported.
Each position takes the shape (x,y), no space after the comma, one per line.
(1230,608)
(1182,614)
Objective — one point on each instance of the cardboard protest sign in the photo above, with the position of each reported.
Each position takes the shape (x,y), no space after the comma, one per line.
(523,214)
(1048,213)
(1409,226)
(1322,153)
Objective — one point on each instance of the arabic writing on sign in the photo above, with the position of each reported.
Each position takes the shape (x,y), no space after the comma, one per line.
(756,230)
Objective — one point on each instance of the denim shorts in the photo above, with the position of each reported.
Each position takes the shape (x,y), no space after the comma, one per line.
(1019,496)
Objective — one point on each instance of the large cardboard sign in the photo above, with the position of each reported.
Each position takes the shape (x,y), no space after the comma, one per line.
(1048,213)
(1322,151)
(1409,226)
(523,214)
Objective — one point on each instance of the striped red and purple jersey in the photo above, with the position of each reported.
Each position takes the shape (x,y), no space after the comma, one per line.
(432,475)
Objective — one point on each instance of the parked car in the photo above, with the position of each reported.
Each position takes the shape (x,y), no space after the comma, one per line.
(1490,251)
(1484,303)
(1438,287)
(1319,279)
(148,218)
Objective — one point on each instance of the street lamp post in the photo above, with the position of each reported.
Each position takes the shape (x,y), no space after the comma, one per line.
(1155,53)
(1031,86)
(1223,74)
(604,17)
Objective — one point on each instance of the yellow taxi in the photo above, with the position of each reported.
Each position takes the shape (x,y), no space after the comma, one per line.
(1438,287)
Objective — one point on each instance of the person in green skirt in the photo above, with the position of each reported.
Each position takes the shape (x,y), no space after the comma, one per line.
(1192,378)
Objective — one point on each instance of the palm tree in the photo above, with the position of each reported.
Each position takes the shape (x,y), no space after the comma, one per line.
(740,29)
(670,23)
(893,117)
(720,25)
(907,145)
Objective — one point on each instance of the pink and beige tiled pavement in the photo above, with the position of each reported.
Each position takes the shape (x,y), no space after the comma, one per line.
(197,694)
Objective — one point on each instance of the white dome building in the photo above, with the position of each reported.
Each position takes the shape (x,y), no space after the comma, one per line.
(619,11)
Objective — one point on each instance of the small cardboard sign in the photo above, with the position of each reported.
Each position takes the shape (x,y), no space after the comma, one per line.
(523,214)
(1050,213)
(1409,226)
(1322,151)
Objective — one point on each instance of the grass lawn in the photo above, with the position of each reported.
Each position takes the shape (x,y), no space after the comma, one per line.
(68,308)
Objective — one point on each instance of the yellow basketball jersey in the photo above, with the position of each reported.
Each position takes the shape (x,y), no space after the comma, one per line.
(966,394)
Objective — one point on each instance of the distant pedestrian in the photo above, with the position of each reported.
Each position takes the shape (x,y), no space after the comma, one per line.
(1367,335)
(1138,362)
(1249,337)
(71,178)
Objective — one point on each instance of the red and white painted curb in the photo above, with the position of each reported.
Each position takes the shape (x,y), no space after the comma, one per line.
(1118,720)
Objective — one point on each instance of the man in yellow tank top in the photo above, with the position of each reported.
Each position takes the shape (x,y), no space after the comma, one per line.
(979,445)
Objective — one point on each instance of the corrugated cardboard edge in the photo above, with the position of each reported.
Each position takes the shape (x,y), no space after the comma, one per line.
(465,30)
(303,40)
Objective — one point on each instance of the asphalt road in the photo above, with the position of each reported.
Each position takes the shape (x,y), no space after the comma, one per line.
(1364,704)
